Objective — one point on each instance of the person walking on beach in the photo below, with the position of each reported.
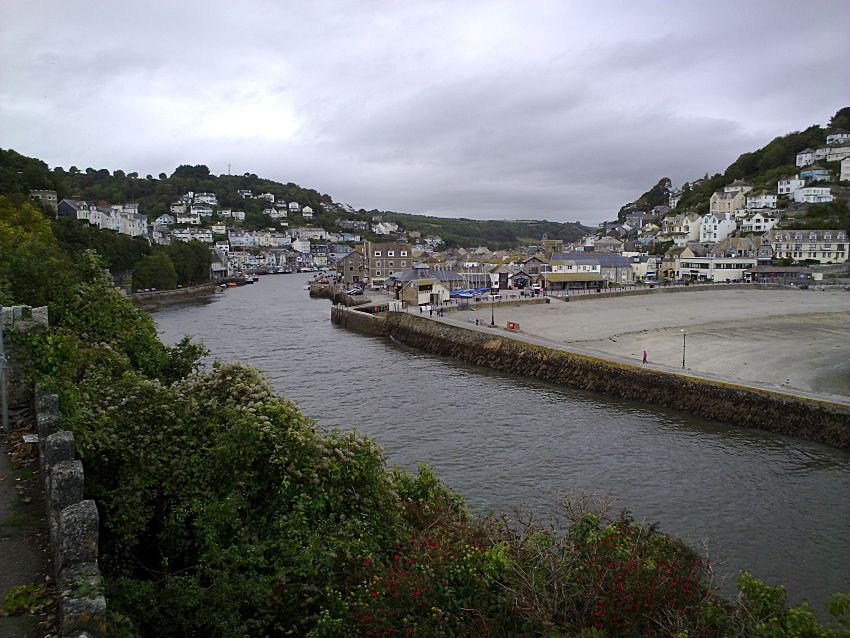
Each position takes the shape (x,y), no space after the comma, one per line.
(644,356)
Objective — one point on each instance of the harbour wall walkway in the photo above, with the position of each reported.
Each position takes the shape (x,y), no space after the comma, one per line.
(806,415)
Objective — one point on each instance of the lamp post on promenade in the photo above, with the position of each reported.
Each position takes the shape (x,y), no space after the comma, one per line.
(684,338)
(492,308)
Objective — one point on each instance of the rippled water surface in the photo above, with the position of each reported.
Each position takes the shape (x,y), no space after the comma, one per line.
(777,506)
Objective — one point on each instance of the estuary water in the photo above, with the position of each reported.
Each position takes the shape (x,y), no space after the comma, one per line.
(777,506)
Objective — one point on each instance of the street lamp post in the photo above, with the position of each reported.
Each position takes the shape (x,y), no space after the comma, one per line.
(684,338)
(492,309)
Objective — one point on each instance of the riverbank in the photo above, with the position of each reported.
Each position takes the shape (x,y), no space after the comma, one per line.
(160,298)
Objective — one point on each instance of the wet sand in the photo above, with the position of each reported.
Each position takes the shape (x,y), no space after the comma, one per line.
(789,338)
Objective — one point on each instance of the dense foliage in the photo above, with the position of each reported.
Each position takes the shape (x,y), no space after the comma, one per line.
(226,512)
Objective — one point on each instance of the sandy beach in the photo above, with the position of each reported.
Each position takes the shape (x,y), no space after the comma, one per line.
(788,338)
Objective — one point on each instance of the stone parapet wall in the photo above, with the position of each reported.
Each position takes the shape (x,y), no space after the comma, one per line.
(740,405)
(73,525)
(73,522)
(18,389)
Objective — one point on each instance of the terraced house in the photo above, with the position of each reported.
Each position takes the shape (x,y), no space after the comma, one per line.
(823,246)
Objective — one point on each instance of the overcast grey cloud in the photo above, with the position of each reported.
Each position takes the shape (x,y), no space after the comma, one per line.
(503,109)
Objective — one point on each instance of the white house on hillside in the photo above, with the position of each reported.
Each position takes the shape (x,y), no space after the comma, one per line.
(838,153)
(301,246)
(193,234)
(813,195)
(202,209)
(788,186)
(716,227)
(838,136)
(806,157)
(758,222)
(205,198)
(761,200)
(189,218)
(682,228)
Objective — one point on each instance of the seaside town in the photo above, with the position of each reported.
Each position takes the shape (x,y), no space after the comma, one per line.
(748,235)
(425,319)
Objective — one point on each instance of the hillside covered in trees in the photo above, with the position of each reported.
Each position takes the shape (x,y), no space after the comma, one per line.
(761,169)
(20,174)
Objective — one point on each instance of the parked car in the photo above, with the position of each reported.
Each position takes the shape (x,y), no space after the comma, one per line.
(355,291)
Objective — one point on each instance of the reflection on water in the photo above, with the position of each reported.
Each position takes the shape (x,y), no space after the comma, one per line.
(772,504)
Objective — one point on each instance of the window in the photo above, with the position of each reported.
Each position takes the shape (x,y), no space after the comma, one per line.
(404,264)
(377,264)
(391,264)
(390,253)
(403,253)
(377,253)
(377,273)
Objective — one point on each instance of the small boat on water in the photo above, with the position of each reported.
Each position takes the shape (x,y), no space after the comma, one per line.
(231,284)
(249,279)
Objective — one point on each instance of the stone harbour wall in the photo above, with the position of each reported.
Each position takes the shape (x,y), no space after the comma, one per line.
(363,322)
(740,405)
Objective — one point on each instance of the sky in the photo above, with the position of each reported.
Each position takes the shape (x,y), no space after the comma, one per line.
(534,109)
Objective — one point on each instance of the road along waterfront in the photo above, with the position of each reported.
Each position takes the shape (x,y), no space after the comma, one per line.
(758,501)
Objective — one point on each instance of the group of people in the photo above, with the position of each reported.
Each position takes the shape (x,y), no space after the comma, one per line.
(441,312)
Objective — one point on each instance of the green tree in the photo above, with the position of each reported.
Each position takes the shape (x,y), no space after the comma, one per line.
(191,260)
(155,271)
(841,119)
(200,171)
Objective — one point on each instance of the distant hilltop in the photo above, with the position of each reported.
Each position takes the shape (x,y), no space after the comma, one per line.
(251,203)
(816,148)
